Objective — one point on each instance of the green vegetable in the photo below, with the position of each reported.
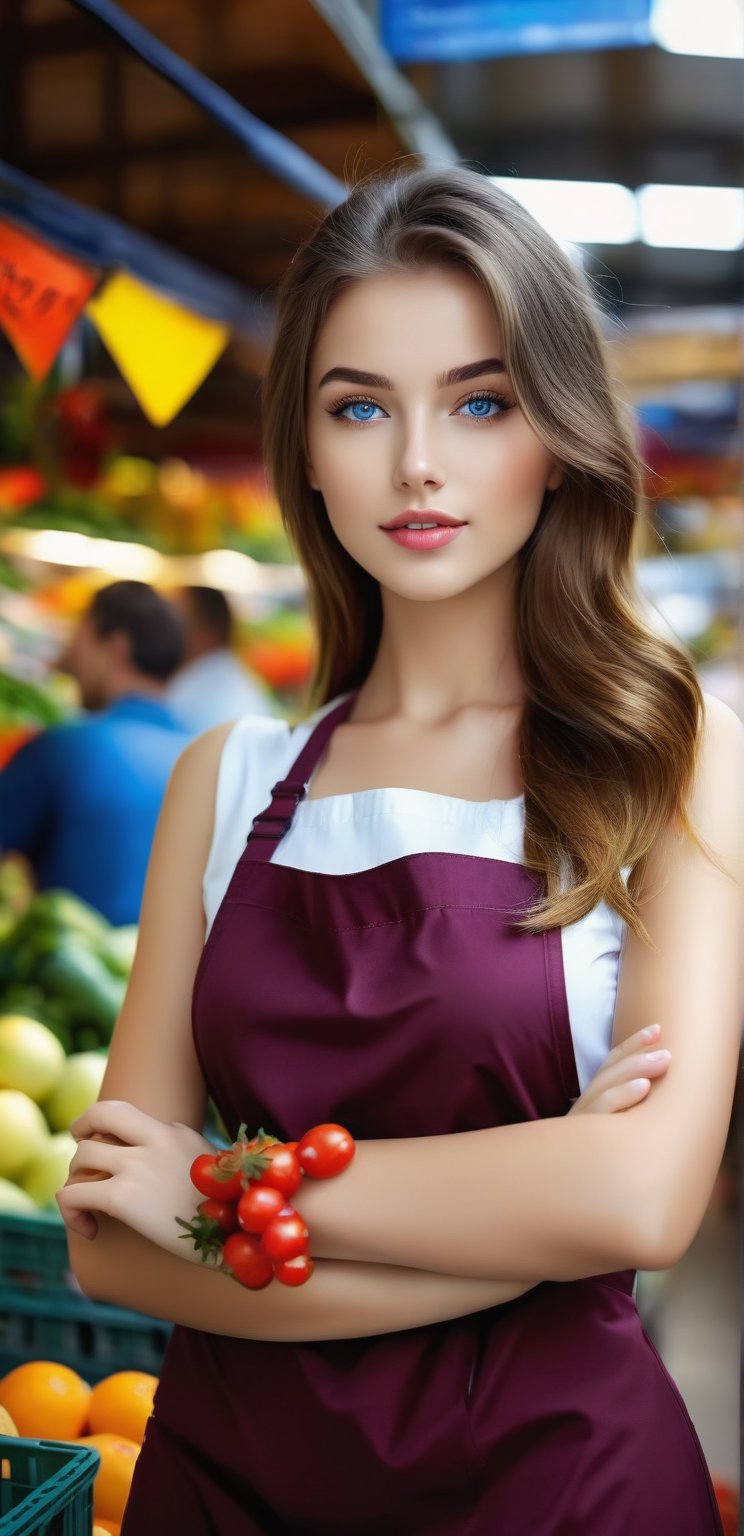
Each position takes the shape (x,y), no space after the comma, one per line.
(77,977)
(23,703)
(60,910)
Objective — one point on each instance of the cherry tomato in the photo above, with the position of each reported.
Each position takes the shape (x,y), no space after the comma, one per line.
(224,1212)
(291,1145)
(246,1260)
(286,1237)
(283,1172)
(325,1150)
(259,1205)
(294,1271)
(215,1176)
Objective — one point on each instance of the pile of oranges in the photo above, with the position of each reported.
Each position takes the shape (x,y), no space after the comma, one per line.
(42,1400)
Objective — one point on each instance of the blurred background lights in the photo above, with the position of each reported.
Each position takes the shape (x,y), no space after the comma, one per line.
(606,213)
(579,212)
(714,29)
(696,218)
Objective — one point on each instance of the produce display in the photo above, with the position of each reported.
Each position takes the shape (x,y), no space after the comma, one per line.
(46,1400)
(246,1222)
(62,963)
(63,974)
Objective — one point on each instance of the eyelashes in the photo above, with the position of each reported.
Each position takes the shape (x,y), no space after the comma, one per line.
(337,407)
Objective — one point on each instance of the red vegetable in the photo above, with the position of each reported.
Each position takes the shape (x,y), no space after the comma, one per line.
(258,1206)
(325,1150)
(287,1237)
(294,1271)
(245,1259)
(224,1212)
(283,1171)
(215,1175)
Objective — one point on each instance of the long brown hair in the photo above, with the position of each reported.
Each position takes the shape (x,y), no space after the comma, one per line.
(613,710)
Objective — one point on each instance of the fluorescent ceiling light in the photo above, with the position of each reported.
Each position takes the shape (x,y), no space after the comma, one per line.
(694,218)
(715,29)
(577,212)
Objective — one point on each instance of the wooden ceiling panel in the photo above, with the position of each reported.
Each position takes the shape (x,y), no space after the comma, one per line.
(61,101)
(350,148)
(151,108)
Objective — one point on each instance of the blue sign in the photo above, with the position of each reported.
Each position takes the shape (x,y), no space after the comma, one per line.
(459,30)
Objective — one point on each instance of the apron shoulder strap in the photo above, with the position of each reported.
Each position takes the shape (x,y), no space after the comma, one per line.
(269,827)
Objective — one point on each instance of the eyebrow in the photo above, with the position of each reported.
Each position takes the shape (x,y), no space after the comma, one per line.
(444,380)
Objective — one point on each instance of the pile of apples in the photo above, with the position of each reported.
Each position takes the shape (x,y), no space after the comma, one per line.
(41,1092)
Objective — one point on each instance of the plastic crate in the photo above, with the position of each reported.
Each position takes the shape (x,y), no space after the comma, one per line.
(33,1253)
(93,1338)
(46,1488)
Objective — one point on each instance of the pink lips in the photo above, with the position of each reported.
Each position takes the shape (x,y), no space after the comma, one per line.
(424,538)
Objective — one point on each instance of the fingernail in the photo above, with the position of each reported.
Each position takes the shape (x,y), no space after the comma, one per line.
(640,1082)
(658,1055)
(650,1030)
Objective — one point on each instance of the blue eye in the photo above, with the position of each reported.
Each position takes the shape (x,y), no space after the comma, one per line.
(361,410)
(481,407)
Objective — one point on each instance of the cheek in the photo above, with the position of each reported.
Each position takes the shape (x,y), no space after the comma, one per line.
(515,469)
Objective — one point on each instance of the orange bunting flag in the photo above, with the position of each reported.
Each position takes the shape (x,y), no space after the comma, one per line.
(42,294)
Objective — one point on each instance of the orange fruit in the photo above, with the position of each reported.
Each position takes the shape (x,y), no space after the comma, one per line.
(122,1404)
(7,1427)
(46,1401)
(114,1476)
(106,1528)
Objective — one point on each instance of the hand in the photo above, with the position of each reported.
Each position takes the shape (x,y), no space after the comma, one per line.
(625,1077)
(135,1168)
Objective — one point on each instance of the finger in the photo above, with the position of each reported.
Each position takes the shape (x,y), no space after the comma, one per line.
(115,1117)
(625,1095)
(622,1096)
(83,1222)
(640,1039)
(642,1064)
(95,1195)
(98,1157)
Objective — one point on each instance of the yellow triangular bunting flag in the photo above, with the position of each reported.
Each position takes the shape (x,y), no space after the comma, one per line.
(163,350)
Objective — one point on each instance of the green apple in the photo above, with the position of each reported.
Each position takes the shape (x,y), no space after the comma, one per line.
(31,1057)
(76,1088)
(14,1201)
(47,1171)
(23,1130)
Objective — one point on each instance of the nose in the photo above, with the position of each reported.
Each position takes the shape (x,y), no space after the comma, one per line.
(418,466)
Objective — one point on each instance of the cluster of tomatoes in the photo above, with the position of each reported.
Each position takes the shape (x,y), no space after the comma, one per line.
(245,1220)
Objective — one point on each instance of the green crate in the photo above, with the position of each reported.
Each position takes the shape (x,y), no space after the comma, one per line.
(93,1338)
(33,1253)
(49,1489)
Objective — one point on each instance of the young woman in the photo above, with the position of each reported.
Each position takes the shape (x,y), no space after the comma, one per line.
(508,779)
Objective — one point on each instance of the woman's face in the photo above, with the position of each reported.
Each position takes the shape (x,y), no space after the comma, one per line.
(410,411)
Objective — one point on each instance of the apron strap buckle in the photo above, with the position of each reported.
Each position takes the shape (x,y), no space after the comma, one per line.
(274,822)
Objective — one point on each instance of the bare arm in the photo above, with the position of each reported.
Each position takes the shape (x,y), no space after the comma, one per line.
(343,1300)
(581,1195)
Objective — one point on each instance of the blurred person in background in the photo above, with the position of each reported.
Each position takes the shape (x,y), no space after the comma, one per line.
(212,686)
(81,799)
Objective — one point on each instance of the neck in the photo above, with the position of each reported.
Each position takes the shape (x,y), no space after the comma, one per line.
(138,683)
(437,658)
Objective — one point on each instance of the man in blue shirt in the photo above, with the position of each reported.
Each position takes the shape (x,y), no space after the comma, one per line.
(81,799)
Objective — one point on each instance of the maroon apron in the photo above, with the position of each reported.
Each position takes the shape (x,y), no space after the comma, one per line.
(399,1001)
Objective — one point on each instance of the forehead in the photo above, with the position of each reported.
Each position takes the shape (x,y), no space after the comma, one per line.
(407,324)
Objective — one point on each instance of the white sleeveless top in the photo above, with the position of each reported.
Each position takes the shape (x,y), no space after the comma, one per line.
(341,834)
